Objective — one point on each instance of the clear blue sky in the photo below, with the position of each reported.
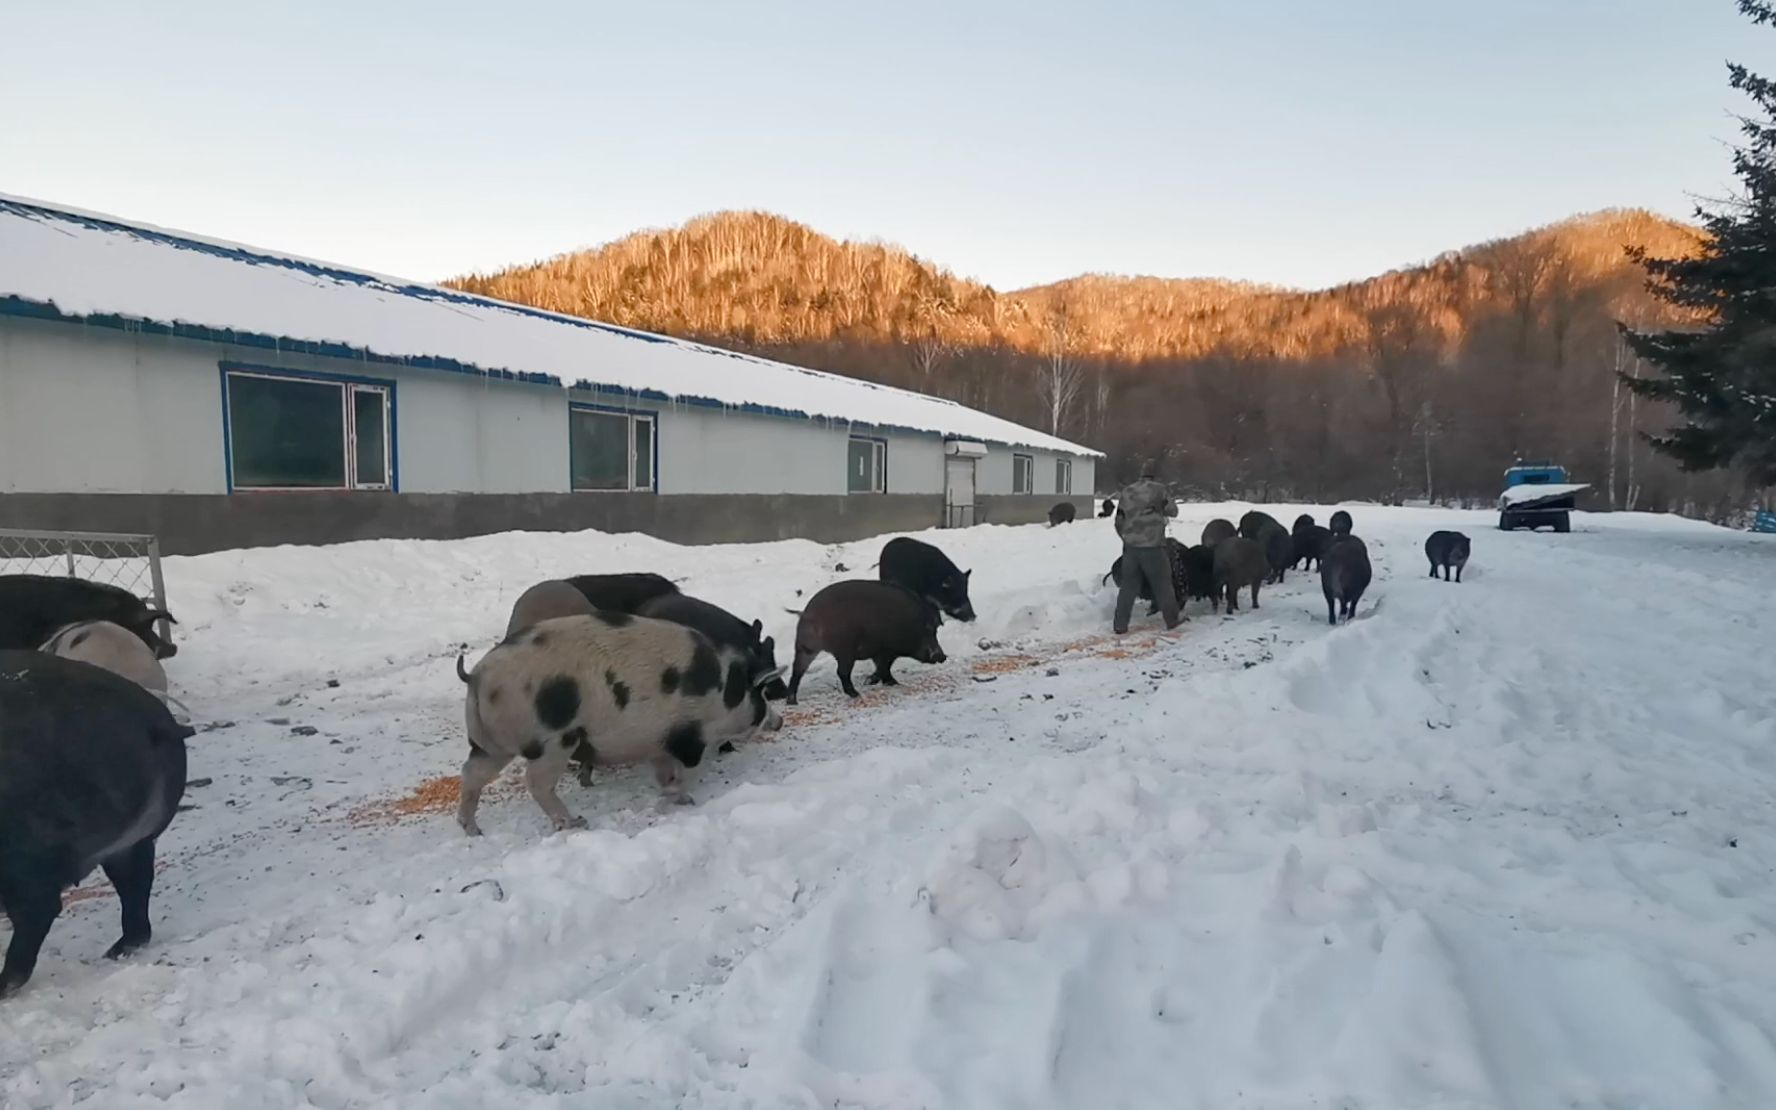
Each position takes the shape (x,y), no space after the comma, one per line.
(1296,141)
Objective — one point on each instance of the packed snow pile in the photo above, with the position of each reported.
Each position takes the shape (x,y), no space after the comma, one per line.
(1524,494)
(1497,844)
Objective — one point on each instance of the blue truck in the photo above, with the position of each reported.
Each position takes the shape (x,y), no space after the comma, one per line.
(1537,495)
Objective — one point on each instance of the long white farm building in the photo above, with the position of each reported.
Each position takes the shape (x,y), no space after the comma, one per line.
(223,396)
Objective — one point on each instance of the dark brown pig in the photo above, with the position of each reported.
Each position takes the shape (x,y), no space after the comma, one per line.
(856,620)
(1239,563)
(1344,575)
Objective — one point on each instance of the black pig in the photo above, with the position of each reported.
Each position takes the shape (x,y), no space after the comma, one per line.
(1062,513)
(1255,524)
(621,593)
(1217,530)
(724,629)
(1199,570)
(92,768)
(1344,575)
(1341,523)
(1279,552)
(1446,550)
(33,607)
(1310,543)
(859,619)
(929,573)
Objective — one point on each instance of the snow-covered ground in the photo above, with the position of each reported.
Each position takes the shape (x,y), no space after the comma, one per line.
(1499,844)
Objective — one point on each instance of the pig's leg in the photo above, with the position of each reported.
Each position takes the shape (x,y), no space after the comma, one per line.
(479,769)
(1458,571)
(1433,568)
(584,758)
(541,774)
(1254,595)
(803,656)
(1233,598)
(33,901)
(882,674)
(132,873)
(845,663)
(669,773)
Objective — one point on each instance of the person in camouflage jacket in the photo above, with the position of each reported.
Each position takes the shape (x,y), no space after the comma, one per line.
(1142,510)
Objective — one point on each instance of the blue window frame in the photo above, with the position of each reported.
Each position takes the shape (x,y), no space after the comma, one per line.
(286,430)
(612,450)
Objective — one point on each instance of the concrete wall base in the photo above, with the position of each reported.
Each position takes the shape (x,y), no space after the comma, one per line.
(194,524)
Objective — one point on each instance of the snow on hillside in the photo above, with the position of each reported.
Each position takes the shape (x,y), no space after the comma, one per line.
(1497,844)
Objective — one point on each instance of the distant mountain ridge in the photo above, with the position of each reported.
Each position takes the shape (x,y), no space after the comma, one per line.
(1423,380)
(762,280)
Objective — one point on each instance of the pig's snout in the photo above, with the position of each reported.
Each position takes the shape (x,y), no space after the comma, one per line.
(966,613)
(933,654)
(773,720)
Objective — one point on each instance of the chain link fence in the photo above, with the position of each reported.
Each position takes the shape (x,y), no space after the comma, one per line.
(129,562)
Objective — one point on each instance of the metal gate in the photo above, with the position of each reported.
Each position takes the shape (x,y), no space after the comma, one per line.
(959,506)
(125,560)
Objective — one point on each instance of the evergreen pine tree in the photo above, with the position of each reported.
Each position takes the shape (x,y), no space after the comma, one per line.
(1722,378)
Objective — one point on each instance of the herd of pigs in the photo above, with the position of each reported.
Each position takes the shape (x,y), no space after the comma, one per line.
(596,670)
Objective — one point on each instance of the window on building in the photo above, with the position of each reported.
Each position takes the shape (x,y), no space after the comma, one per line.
(1063,475)
(866,468)
(1023,474)
(307,433)
(611,450)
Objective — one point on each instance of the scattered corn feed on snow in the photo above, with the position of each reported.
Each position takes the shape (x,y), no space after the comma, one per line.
(1497,844)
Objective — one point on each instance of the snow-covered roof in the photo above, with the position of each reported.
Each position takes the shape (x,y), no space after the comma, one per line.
(63,262)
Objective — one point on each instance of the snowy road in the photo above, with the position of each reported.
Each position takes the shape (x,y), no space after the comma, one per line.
(1501,844)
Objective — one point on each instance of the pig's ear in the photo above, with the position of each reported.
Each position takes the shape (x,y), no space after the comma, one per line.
(968,572)
(769,644)
(765,679)
(757,627)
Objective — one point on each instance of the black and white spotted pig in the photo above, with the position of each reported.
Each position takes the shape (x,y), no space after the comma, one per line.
(628,689)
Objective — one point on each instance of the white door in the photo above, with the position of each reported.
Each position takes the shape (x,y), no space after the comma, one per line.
(958,492)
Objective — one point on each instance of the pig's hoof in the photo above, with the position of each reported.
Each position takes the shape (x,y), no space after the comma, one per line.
(470,828)
(727,748)
(681,799)
(570,823)
(124,947)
